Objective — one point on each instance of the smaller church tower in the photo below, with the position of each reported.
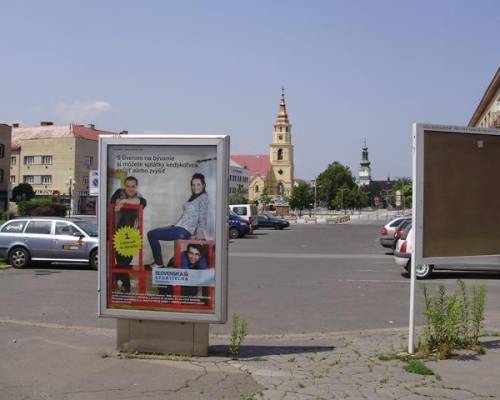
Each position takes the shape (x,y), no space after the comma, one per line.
(364,170)
(281,154)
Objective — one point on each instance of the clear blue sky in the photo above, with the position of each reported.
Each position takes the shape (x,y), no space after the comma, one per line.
(351,69)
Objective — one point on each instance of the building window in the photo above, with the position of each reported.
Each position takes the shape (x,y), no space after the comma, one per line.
(13,160)
(85,180)
(28,179)
(12,179)
(46,179)
(88,160)
(2,150)
(286,129)
(281,128)
(37,160)
(46,160)
(1,175)
(280,154)
(256,188)
(83,194)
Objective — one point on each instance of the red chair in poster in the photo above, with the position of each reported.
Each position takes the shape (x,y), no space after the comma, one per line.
(120,269)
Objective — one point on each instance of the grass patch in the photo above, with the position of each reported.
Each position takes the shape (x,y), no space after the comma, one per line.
(418,367)
(4,264)
(411,363)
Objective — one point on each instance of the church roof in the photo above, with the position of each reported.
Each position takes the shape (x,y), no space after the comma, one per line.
(257,164)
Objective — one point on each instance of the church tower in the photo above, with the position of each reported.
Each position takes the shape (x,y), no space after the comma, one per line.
(281,154)
(364,168)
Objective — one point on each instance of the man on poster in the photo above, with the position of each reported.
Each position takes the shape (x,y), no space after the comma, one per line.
(126,217)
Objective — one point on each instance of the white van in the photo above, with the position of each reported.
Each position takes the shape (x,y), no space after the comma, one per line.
(248,212)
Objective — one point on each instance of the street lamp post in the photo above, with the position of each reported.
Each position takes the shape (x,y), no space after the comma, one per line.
(342,198)
(315,203)
(69,182)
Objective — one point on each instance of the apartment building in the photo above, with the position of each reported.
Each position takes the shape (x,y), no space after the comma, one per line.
(5,138)
(487,113)
(56,160)
(238,178)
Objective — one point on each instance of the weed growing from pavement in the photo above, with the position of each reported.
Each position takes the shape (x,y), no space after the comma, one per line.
(454,321)
(418,367)
(103,354)
(291,359)
(238,333)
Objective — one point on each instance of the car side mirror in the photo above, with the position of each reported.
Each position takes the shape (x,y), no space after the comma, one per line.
(77,234)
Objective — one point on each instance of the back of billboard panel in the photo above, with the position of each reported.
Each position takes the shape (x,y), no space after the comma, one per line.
(457,192)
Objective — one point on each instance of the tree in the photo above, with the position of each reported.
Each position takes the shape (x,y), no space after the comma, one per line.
(238,197)
(331,180)
(264,198)
(302,197)
(358,198)
(23,192)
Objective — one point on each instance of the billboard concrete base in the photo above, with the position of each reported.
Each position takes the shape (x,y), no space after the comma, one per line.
(187,338)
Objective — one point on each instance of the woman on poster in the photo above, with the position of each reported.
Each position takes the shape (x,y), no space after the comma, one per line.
(193,220)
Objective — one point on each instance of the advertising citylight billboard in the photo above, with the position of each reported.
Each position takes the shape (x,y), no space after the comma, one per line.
(163,227)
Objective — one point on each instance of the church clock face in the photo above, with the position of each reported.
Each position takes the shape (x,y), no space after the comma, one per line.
(280,137)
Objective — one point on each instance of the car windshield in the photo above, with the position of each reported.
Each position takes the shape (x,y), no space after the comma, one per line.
(88,227)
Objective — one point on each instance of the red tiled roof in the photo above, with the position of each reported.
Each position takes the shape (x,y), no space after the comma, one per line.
(256,164)
(54,132)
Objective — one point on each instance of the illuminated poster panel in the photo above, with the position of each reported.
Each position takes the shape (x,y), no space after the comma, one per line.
(163,227)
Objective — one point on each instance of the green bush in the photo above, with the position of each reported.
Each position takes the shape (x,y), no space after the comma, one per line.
(454,321)
(238,333)
(41,207)
(23,192)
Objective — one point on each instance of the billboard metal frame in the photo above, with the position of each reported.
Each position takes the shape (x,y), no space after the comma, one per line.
(221,142)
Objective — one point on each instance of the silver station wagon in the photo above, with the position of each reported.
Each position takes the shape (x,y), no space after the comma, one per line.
(48,239)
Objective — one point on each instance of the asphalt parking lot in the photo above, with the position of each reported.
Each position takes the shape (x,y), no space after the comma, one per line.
(310,278)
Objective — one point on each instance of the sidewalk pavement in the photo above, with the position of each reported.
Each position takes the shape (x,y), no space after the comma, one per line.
(56,362)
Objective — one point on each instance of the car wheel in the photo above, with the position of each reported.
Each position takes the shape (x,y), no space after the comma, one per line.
(19,257)
(234,233)
(94,260)
(423,271)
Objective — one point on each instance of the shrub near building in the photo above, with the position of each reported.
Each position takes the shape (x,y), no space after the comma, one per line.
(41,207)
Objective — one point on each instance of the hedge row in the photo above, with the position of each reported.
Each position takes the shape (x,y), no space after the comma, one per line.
(41,207)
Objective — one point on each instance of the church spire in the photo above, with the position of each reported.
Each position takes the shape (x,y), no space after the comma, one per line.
(364,178)
(282,115)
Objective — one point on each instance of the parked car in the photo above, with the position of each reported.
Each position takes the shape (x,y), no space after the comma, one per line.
(268,221)
(238,227)
(400,230)
(389,229)
(49,239)
(246,211)
(402,257)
